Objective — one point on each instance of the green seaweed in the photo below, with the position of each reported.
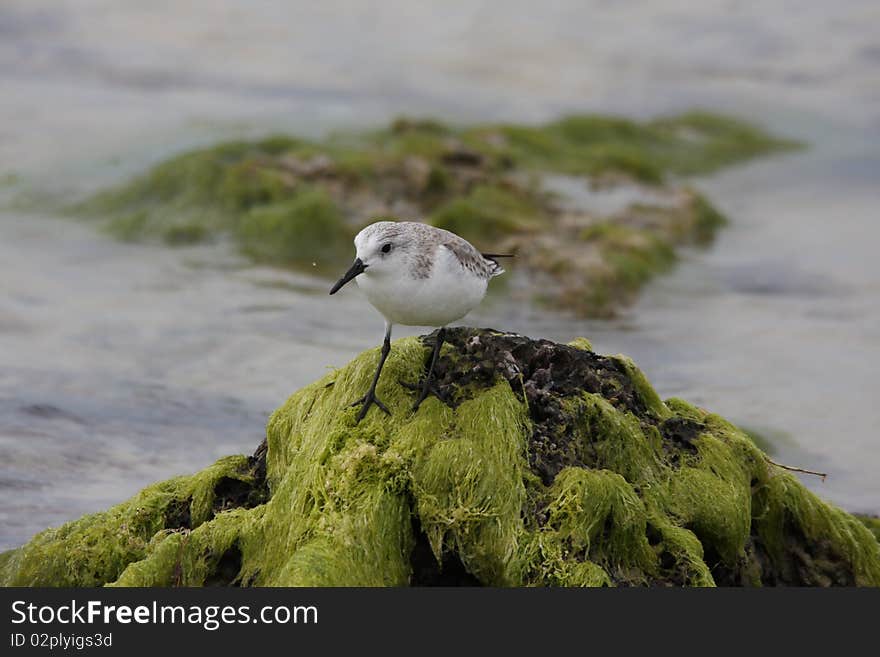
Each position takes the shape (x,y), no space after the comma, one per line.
(871,522)
(581,343)
(309,229)
(187,557)
(646,393)
(691,143)
(613,440)
(487,214)
(603,265)
(347,503)
(96,548)
(572,146)
(199,193)
(701,142)
(598,514)
(782,503)
(707,219)
(283,198)
(711,496)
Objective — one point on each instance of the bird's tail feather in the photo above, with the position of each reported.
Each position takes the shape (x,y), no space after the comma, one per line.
(497,269)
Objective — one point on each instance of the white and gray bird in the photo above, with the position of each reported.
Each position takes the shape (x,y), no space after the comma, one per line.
(417,275)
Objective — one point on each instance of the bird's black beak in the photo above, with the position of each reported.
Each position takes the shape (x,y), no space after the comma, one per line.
(356,269)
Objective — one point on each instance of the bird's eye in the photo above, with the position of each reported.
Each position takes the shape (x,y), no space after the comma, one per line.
(386,248)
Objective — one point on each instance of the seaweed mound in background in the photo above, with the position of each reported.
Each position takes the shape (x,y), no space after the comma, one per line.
(299,203)
(536,463)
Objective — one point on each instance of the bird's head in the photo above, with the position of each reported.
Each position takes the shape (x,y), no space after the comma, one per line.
(380,249)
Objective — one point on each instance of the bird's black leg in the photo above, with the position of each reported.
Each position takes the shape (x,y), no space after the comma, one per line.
(370,398)
(426,386)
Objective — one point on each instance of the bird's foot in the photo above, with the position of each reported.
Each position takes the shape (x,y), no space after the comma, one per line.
(368,400)
(424,389)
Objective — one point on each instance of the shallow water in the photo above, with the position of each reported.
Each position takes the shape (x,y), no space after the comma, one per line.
(124,364)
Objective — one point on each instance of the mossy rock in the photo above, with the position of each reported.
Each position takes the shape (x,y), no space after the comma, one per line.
(871,522)
(298,203)
(309,229)
(488,214)
(97,548)
(536,464)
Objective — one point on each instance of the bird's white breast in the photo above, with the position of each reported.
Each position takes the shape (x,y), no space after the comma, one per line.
(447,294)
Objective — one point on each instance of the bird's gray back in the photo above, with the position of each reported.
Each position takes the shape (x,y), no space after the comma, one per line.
(422,242)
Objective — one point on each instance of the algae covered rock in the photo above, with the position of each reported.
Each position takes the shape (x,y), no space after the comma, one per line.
(536,464)
(294,202)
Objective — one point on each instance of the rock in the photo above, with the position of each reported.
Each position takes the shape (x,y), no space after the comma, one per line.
(487,182)
(311,167)
(456,154)
(537,464)
(416,172)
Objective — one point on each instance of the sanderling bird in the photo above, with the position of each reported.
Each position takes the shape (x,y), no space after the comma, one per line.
(417,275)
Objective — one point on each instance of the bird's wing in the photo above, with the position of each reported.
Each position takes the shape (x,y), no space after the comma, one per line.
(472,260)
